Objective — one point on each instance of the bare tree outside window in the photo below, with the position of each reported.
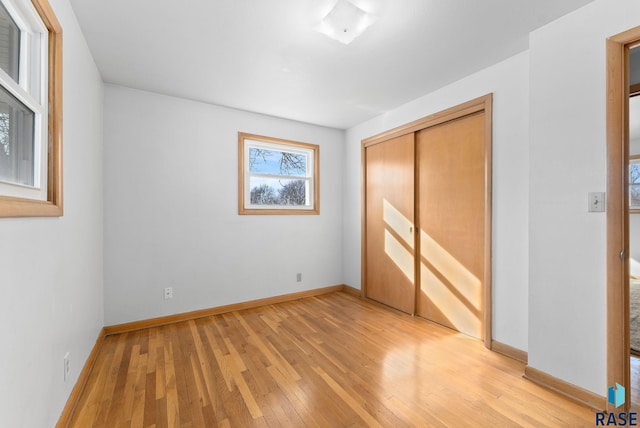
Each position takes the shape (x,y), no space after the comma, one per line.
(290,163)
(293,193)
(264,195)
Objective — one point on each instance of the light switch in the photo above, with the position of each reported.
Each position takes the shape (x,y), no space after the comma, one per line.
(596,202)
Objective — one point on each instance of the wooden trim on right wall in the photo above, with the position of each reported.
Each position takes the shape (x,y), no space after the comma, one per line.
(617,216)
(510,351)
(567,389)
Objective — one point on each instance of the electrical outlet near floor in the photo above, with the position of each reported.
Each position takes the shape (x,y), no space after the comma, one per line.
(168,293)
(298,277)
(67,366)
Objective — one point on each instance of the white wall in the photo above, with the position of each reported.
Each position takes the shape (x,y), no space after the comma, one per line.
(51,268)
(567,244)
(508,81)
(171,210)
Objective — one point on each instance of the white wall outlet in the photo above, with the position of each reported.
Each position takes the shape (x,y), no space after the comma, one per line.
(596,202)
(168,293)
(67,366)
(298,277)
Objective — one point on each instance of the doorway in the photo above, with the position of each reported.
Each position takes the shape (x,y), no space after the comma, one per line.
(427,218)
(619,89)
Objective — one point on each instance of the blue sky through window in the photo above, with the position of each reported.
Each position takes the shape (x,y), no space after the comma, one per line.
(264,161)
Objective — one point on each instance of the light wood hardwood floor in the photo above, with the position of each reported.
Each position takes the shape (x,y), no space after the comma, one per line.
(327,361)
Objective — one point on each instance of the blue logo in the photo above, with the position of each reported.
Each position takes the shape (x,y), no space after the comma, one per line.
(616,395)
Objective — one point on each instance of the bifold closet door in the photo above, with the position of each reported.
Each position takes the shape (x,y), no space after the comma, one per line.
(451,211)
(390,237)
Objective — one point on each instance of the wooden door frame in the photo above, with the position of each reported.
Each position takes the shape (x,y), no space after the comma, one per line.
(617,252)
(480,104)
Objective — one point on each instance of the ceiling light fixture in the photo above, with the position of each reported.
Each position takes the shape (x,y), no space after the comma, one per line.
(345,22)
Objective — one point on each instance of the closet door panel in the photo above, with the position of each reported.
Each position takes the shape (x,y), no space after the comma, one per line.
(390,235)
(451,209)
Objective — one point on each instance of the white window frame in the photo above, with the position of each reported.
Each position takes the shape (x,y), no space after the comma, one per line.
(39,88)
(312,152)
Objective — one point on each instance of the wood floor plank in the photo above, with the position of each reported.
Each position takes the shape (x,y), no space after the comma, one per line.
(96,385)
(111,394)
(332,360)
(349,399)
(139,392)
(172,403)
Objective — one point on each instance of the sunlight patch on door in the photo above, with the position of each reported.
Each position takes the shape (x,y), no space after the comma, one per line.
(397,226)
(455,272)
(399,254)
(462,318)
(453,289)
(398,223)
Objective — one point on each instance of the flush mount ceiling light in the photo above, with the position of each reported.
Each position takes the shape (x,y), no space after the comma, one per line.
(345,22)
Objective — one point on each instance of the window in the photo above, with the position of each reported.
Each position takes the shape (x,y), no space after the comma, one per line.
(634,183)
(30,109)
(277,176)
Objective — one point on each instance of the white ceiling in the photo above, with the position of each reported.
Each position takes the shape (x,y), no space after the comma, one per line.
(264,56)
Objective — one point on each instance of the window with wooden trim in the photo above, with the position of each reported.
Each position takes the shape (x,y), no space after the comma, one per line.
(30,109)
(277,176)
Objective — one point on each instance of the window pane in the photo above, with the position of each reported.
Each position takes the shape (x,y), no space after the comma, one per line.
(273,191)
(16,141)
(262,161)
(634,173)
(9,44)
(634,195)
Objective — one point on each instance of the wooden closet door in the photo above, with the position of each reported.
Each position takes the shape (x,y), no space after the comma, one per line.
(451,210)
(390,237)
